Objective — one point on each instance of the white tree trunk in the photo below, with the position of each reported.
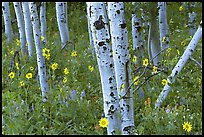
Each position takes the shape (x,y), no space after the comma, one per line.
(7,21)
(101,38)
(28,27)
(62,22)
(137,41)
(163,26)
(154,37)
(181,63)
(38,46)
(192,23)
(66,16)
(119,37)
(43,25)
(21,27)
(137,38)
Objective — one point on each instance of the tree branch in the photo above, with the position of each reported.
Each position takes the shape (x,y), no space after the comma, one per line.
(196,61)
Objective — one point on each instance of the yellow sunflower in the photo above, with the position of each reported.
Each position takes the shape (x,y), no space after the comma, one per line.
(187,126)
(103,122)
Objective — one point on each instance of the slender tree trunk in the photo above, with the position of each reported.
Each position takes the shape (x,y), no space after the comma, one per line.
(21,27)
(38,46)
(7,21)
(43,21)
(163,26)
(66,16)
(90,37)
(192,23)
(62,22)
(144,20)
(101,38)
(181,63)
(154,37)
(119,37)
(149,41)
(137,38)
(28,27)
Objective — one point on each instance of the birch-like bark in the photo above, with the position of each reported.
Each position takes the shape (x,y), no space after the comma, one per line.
(66,17)
(154,37)
(192,23)
(163,26)
(137,39)
(136,33)
(43,25)
(7,21)
(101,38)
(21,26)
(62,22)
(38,46)
(137,36)
(181,63)
(28,27)
(119,37)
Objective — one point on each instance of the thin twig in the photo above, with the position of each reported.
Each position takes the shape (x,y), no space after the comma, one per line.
(196,62)
(146,68)
(147,80)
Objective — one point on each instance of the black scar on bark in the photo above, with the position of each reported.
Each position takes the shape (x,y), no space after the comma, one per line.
(104,48)
(99,24)
(107,40)
(118,11)
(111,107)
(111,94)
(101,43)
(136,23)
(123,25)
(110,80)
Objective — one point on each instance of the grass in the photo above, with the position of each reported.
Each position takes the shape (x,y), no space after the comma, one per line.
(24,113)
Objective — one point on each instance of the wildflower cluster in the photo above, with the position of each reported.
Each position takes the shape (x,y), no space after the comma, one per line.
(18,42)
(54,66)
(46,53)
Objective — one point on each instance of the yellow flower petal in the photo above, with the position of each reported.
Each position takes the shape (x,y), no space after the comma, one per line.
(145,62)
(103,122)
